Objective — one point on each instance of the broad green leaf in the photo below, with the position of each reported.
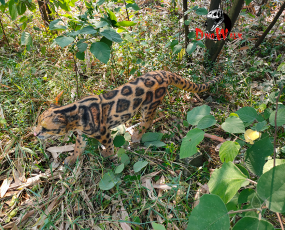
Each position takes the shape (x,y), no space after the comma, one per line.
(13,10)
(197,113)
(64,5)
(260,126)
(191,47)
(108,181)
(125,159)
(271,188)
(119,141)
(233,125)
(252,223)
(280,117)
(147,137)
(112,16)
(87,30)
(57,25)
(31,5)
(211,214)
(156,226)
(201,44)
(281,67)
(107,41)
(173,43)
(255,156)
(82,46)
(243,170)
(191,35)
(250,197)
(100,2)
(154,143)
(176,49)
(63,41)
(21,7)
(269,164)
(80,55)
(126,23)
(111,35)
(206,122)
(201,11)
(100,24)
(140,165)
(232,205)
(120,168)
(190,141)
(2,2)
(247,115)
(101,51)
(26,39)
(229,150)
(120,152)
(248,2)
(226,181)
(133,5)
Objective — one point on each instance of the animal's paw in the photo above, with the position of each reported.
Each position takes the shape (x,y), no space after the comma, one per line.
(70,160)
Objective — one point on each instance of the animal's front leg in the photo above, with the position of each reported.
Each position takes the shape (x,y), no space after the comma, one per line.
(78,150)
(107,141)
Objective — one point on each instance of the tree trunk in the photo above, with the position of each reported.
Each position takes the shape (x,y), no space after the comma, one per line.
(270,26)
(45,11)
(186,29)
(216,47)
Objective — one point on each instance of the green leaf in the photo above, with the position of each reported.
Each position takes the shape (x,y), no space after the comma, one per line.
(119,141)
(120,168)
(147,137)
(229,150)
(201,11)
(107,41)
(190,141)
(100,2)
(126,23)
(281,67)
(260,126)
(226,181)
(64,5)
(191,35)
(248,2)
(247,115)
(63,41)
(31,5)
(133,5)
(156,226)
(140,165)
(250,197)
(206,122)
(2,2)
(101,51)
(269,164)
(111,35)
(196,114)
(191,47)
(87,30)
(125,159)
(252,223)
(26,39)
(80,55)
(100,24)
(211,214)
(173,43)
(13,10)
(233,125)
(201,44)
(112,16)
(271,188)
(81,46)
(108,181)
(280,117)
(255,156)
(176,49)
(21,7)
(55,25)
(155,143)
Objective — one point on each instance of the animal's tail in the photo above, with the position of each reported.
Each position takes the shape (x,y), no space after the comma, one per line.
(188,85)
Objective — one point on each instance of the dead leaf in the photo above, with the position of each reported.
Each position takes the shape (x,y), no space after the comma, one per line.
(56,150)
(244,48)
(203,189)
(5,186)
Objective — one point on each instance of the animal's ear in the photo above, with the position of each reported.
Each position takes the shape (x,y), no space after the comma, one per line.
(60,119)
(54,105)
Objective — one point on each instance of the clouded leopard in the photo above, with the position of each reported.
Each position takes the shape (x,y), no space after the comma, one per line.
(95,115)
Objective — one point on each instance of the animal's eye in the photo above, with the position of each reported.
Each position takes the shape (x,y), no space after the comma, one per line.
(44,129)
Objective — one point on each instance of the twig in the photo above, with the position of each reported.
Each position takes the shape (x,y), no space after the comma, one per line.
(76,78)
(280,220)
(4,32)
(252,181)
(246,210)
(275,123)
(214,137)
(127,13)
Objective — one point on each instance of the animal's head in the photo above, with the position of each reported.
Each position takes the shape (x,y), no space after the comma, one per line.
(51,123)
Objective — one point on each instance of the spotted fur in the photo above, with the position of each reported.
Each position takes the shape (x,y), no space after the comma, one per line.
(95,115)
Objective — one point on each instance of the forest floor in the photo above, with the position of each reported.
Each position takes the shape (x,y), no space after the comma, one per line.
(39,192)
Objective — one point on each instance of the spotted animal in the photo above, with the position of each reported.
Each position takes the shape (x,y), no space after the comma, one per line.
(95,115)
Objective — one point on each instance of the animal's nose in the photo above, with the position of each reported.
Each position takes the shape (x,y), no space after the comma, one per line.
(35,134)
